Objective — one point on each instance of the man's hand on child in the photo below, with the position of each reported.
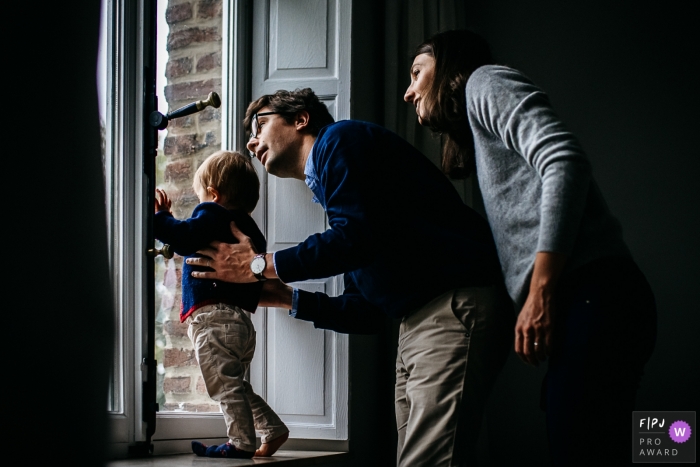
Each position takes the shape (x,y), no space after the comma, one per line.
(163,203)
(230,261)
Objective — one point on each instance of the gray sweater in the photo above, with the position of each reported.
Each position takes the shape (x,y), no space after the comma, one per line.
(535,179)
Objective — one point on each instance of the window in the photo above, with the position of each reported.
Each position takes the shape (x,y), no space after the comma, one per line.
(209,45)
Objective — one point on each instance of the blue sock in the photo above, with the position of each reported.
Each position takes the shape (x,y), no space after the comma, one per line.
(223,450)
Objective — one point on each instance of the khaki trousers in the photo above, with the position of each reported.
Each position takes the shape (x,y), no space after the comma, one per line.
(450,352)
(224,344)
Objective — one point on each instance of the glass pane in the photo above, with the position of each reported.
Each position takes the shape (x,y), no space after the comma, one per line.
(189,68)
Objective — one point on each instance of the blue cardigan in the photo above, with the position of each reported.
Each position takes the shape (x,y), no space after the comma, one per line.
(209,222)
(399,231)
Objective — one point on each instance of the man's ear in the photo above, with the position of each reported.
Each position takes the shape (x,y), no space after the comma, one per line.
(301,121)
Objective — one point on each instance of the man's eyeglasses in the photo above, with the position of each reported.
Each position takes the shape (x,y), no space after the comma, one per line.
(255,126)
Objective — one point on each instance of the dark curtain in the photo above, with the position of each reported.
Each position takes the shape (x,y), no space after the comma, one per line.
(58,302)
(408,24)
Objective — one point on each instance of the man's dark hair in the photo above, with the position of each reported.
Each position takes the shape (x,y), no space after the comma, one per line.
(288,104)
(457,54)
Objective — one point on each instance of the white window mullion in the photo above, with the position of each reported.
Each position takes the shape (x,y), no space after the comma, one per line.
(124,175)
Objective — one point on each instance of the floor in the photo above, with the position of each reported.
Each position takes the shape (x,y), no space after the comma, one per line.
(288,458)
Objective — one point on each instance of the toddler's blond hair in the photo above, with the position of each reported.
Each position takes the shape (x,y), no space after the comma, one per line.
(232,174)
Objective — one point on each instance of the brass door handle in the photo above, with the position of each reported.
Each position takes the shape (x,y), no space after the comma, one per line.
(166,251)
(160,121)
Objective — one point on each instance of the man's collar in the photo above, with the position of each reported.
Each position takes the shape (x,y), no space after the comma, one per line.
(309,168)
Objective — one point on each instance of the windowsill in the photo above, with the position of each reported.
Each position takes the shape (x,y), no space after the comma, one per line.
(289,458)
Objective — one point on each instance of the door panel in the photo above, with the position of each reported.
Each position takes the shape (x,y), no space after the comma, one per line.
(303,371)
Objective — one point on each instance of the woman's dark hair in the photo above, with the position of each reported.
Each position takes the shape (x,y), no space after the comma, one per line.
(457,54)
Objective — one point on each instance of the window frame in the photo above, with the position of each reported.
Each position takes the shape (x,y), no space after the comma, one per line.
(124,159)
(127,209)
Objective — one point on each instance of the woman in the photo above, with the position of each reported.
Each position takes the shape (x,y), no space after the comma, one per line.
(584,304)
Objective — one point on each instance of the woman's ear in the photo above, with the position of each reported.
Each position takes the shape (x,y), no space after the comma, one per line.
(216,197)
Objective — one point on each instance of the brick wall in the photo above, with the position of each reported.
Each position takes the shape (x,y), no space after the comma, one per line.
(193,70)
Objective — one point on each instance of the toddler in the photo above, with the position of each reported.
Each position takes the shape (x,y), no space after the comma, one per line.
(222,334)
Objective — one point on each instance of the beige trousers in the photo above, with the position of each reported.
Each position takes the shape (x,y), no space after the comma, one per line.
(450,352)
(224,344)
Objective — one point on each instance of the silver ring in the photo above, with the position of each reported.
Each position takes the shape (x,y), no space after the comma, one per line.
(535,343)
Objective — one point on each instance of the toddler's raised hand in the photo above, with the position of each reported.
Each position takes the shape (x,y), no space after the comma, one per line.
(163,203)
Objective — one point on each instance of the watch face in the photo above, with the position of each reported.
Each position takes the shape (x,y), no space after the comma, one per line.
(258,265)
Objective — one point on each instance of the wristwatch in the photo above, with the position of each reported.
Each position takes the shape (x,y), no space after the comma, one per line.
(258,265)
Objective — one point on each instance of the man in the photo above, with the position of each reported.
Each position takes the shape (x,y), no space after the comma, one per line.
(408,247)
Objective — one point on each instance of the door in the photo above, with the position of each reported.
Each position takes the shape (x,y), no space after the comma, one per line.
(304,371)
